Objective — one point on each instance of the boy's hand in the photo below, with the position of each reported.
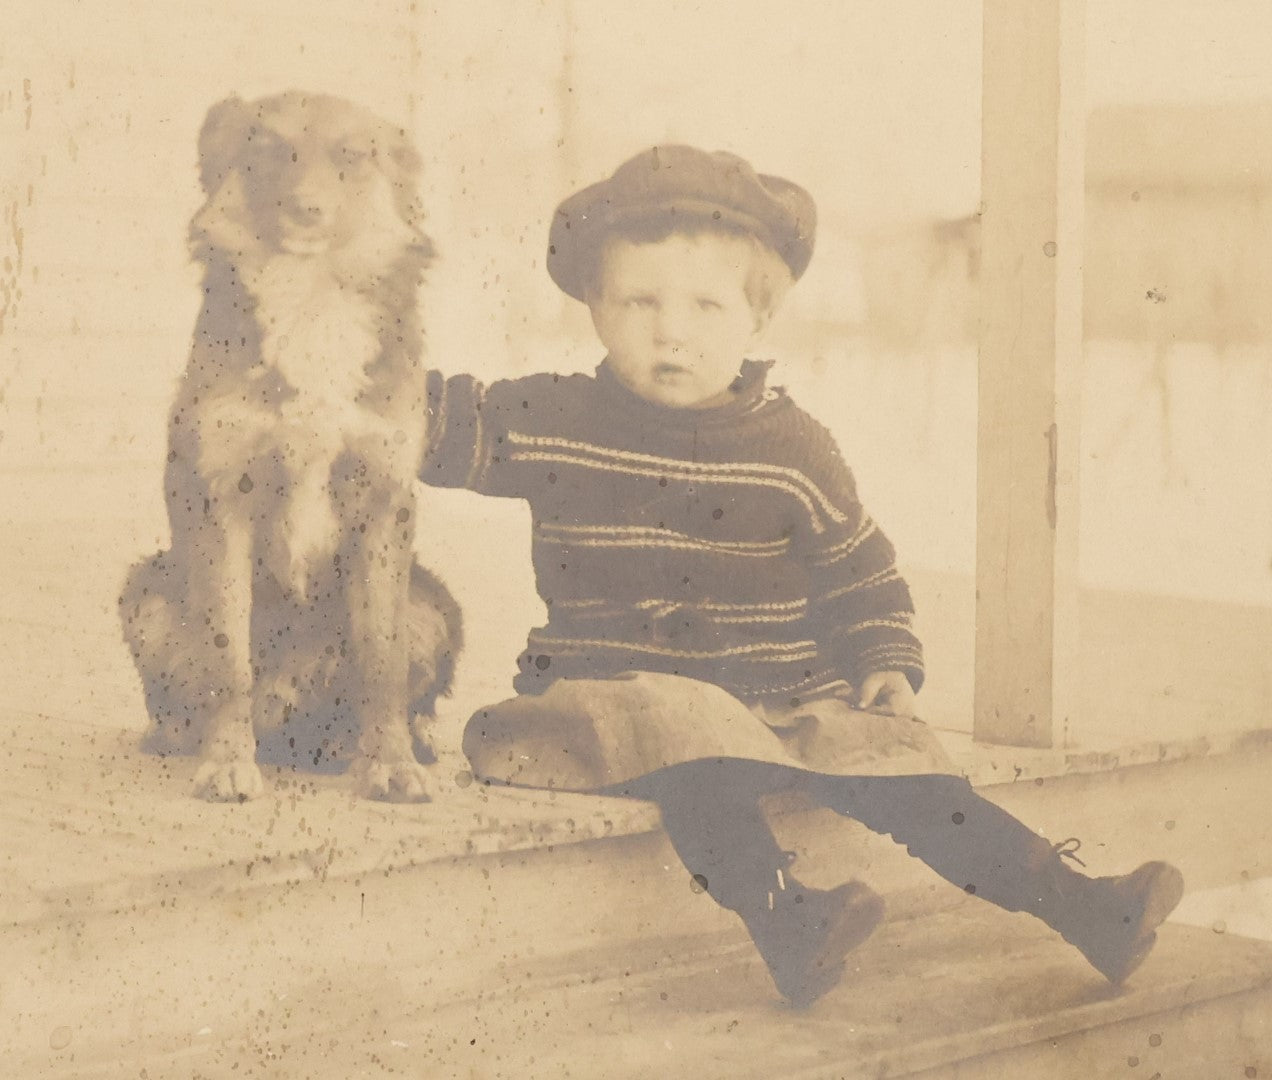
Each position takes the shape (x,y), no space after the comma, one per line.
(887,692)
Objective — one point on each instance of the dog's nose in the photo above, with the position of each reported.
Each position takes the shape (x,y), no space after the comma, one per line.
(314,191)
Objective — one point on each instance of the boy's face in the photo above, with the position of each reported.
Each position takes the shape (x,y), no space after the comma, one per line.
(675,317)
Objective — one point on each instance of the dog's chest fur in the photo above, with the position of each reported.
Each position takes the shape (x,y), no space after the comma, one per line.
(317,340)
(318,336)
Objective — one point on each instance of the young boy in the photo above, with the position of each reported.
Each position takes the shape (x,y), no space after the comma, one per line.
(725,620)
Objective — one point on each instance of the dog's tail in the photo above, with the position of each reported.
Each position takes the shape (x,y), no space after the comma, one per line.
(435,636)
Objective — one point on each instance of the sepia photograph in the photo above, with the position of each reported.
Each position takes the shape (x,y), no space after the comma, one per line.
(609,540)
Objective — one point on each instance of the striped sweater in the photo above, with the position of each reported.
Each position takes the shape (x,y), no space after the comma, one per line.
(726,544)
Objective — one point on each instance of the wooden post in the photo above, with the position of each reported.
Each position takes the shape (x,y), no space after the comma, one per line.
(1033,124)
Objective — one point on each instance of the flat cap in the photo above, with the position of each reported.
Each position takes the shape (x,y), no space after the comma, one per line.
(686,183)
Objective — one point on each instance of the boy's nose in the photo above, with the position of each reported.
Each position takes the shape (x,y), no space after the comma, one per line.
(670,326)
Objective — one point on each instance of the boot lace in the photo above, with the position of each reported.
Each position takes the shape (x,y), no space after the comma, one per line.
(1068,849)
(788,857)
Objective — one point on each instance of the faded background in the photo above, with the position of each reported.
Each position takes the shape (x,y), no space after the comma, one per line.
(539,936)
(874,106)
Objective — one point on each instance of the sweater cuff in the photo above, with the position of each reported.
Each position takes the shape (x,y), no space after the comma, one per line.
(905,657)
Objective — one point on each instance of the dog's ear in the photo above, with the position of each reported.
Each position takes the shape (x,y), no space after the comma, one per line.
(403,166)
(222,135)
(406,159)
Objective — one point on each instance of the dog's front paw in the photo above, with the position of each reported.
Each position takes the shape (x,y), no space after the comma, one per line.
(392,781)
(236,780)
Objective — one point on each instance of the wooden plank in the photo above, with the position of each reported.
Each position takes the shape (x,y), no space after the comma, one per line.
(129,833)
(1030,365)
(521,966)
(313,923)
(129,829)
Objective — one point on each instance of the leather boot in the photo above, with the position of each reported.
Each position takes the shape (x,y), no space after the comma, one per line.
(804,934)
(988,853)
(1111,920)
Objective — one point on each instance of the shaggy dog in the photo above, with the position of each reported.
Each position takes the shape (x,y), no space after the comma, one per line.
(289,611)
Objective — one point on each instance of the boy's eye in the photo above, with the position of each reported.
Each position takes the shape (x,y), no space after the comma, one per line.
(705,303)
(640,301)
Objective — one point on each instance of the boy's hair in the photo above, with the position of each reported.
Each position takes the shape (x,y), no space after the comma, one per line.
(768,277)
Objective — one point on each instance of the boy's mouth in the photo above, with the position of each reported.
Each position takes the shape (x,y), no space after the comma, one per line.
(669,371)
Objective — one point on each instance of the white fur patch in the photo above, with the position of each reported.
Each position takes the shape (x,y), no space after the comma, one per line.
(317,338)
(317,333)
(379,235)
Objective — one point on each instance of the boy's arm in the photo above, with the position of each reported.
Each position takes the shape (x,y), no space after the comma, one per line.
(456,441)
(477,436)
(860,606)
(466,443)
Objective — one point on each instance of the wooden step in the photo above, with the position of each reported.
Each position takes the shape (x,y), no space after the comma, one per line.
(514,966)
(129,834)
(501,933)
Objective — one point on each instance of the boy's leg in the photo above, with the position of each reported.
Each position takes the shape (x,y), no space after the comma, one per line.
(988,853)
(711,813)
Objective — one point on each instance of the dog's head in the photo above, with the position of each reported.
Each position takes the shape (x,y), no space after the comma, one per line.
(308,176)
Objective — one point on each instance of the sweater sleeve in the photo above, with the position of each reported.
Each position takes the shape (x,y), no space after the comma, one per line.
(860,606)
(467,424)
(455,443)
